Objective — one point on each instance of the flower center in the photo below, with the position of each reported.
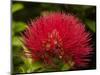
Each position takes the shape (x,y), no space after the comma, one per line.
(54,44)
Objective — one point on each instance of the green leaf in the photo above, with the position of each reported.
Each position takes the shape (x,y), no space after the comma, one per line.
(18,26)
(21,69)
(17,7)
(37,66)
(91,25)
(30,66)
(16,41)
(65,67)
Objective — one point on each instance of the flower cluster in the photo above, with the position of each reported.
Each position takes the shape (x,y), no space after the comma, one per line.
(58,38)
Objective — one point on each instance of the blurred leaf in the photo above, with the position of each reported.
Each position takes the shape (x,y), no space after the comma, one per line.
(30,66)
(81,8)
(27,67)
(16,41)
(17,7)
(17,62)
(18,26)
(21,69)
(91,24)
(50,7)
(36,66)
(65,67)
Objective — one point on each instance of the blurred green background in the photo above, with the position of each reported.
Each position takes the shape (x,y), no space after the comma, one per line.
(23,12)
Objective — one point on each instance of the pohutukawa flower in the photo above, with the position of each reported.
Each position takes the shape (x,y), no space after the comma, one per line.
(58,38)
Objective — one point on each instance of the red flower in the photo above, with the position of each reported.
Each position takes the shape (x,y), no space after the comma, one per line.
(58,38)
